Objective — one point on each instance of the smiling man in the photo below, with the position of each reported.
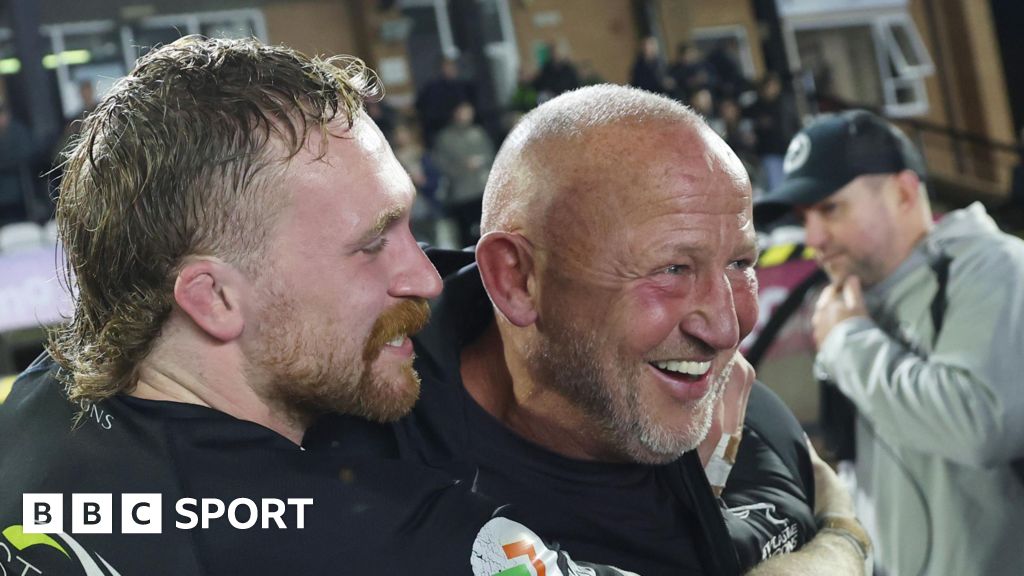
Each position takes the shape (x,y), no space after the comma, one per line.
(621,302)
(575,368)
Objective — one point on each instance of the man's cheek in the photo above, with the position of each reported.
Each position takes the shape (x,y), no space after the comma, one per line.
(745,300)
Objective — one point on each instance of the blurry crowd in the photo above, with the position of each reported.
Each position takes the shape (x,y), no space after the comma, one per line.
(756,119)
(448,151)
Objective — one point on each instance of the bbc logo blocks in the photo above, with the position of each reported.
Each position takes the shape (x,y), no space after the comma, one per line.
(91,513)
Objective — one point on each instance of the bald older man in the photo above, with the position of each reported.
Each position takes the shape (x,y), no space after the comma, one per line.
(577,365)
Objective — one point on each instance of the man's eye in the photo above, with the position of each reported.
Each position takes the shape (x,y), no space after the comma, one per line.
(675,269)
(375,246)
(741,264)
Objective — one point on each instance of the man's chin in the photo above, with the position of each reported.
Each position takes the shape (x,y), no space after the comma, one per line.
(393,400)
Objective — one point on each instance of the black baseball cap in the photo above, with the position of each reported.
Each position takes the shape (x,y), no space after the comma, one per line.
(830,153)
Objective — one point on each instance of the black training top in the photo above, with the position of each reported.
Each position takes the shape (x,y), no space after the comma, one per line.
(366,515)
(654,520)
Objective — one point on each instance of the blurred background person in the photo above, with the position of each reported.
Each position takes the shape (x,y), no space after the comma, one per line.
(689,72)
(920,329)
(648,69)
(558,74)
(464,152)
(17,151)
(775,122)
(436,102)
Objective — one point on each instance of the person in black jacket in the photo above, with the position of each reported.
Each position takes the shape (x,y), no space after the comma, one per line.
(648,71)
(237,239)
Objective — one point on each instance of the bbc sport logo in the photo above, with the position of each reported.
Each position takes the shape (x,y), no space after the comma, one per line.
(143,513)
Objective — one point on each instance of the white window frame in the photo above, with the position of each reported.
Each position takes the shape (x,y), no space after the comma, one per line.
(444,24)
(56,33)
(506,51)
(188,23)
(881,23)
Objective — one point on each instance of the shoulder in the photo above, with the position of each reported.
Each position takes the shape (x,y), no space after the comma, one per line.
(770,493)
(774,422)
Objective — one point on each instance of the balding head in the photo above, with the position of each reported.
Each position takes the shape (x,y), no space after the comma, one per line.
(558,146)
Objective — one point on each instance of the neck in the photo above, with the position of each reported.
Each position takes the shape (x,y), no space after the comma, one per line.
(220,383)
(503,388)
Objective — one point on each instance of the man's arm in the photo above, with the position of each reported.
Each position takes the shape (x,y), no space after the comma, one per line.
(841,546)
(962,400)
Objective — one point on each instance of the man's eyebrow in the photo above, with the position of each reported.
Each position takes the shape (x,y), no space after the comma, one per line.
(385,220)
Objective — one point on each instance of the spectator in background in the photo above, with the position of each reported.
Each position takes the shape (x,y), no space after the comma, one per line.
(425,175)
(739,135)
(464,153)
(558,74)
(436,102)
(689,72)
(703,103)
(648,69)
(87,96)
(920,329)
(384,116)
(729,80)
(17,151)
(775,122)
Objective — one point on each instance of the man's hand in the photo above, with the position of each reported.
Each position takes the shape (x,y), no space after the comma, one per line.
(837,303)
(830,495)
(841,546)
(727,422)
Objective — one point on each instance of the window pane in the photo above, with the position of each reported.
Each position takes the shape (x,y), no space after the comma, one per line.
(843,62)
(148,38)
(906,48)
(96,63)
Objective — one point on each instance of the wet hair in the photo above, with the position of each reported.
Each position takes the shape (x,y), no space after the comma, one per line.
(181,158)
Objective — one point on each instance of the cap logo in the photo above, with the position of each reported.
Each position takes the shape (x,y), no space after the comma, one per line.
(797,154)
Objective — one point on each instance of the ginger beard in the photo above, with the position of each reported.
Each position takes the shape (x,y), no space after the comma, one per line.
(312,366)
(567,360)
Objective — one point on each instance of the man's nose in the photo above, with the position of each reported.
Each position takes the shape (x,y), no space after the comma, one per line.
(418,277)
(712,316)
(814,230)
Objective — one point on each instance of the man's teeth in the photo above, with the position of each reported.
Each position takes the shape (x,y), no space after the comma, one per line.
(684,367)
(397,341)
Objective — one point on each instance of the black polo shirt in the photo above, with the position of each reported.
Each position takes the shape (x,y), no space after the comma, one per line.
(654,520)
(364,515)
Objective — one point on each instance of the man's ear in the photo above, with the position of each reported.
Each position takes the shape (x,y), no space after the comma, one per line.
(209,292)
(909,189)
(507,269)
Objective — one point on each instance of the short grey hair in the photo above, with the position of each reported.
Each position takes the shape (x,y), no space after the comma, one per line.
(568,120)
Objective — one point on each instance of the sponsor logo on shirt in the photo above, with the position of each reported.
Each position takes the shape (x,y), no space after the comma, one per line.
(18,544)
(787,535)
(507,548)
